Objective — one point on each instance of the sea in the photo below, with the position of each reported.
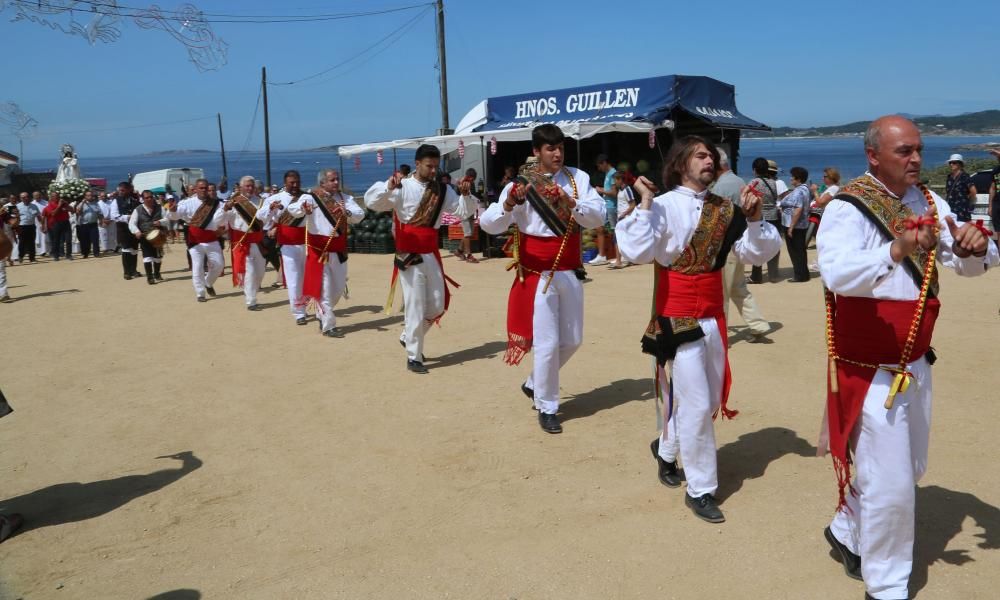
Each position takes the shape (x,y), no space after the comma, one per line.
(813,154)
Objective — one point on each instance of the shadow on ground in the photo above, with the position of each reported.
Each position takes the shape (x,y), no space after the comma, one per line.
(605,397)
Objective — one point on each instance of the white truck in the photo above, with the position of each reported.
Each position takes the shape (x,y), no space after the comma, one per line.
(164,180)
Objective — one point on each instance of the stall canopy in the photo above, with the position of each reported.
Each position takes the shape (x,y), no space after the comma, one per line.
(637,105)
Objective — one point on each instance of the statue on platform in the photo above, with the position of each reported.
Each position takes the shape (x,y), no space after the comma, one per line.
(68,165)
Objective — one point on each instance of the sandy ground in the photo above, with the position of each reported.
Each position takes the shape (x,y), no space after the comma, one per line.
(166,448)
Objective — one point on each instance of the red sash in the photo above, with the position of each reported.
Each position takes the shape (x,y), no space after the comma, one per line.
(317,254)
(700,297)
(417,239)
(537,255)
(197,235)
(874,332)
(291,236)
(240,244)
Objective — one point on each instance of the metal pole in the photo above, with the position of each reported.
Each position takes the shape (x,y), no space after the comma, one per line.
(267,127)
(485,252)
(222,146)
(442,60)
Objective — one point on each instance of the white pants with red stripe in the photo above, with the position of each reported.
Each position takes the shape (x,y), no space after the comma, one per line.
(697,373)
(201,279)
(557,331)
(890,457)
(423,300)
(334,282)
(293,263)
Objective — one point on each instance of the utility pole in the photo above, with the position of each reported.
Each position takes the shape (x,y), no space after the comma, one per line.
(267,127)
(443,80)
(222,145)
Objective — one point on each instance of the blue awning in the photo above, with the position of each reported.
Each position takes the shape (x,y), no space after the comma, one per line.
(652,100)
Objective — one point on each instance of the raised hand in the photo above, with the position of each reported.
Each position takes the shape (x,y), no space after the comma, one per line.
(518,192)
(395,181)
(970,238)
(923,235)
(750,202)
(307,207)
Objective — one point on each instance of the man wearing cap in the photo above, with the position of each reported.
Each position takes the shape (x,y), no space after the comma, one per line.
(782,187)
(959,190)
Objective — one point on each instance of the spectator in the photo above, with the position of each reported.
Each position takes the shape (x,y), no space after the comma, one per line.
(765,184)
(610,210)
(106,230)
(625,205)
(469,224)
(994,206)
(42,239)
(960,192)
(772,169)
(404,170)
(29,221)
(88,218)
(9,223)
(56,215)
(223,191)
(823,195)
(795,219)
(509,173)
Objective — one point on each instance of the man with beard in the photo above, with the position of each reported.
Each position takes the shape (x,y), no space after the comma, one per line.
(327,213)
(417,203)
(124,205)
(248,218)
(548,205)
(878,244)
(144,220)
(291,238)
(206,220)
(688,232)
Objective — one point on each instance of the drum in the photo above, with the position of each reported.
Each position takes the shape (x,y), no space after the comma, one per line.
(156,238)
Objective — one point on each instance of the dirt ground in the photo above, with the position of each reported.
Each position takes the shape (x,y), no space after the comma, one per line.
(170,449)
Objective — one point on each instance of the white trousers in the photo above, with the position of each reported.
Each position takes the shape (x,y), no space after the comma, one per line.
(41,241)
(890,457)
(293,262)
(557,331)
(697,374)
(254,274)
(423,301)
(216,262)
(334,282)
(3,278)
(108,237)
(734,287)
(9,232)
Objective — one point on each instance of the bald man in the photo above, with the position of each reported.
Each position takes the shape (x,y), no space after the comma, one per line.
(875,246)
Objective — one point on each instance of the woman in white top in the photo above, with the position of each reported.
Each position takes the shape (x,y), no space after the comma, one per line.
(831,179)
(626,204)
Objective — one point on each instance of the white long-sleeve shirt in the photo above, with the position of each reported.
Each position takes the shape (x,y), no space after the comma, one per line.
(589,211)
(235,222)
(317,223)
(405,200)
(133,219)
(662,232)
(116,214)
(187,207)
(854,257)
(286,200)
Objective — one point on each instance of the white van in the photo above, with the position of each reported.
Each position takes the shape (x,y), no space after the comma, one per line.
(159,181)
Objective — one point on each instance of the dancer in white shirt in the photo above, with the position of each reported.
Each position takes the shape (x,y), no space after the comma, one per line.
(247,218)
(206,220)
(291,239)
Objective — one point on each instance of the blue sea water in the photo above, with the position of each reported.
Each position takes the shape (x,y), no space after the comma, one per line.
(814,154)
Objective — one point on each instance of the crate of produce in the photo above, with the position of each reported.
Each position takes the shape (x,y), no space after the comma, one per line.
(451,245)
(455,231)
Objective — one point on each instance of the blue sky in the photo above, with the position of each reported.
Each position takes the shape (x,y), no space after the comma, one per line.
(793,63)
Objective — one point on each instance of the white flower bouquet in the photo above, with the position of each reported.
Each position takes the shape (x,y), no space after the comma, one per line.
(71,190)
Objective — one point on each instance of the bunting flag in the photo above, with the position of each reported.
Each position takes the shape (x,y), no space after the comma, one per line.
(493,146)
(461,148)
(378,157)
(652,138)
(357,163)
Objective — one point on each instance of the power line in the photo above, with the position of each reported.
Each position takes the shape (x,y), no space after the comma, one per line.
(253,125)
(399,32)
(126,127)
(114,9)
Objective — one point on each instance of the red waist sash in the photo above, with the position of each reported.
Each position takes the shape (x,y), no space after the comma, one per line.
(536,255)
(872,332)
(291,236)
(239,246)
(700,297)
(418,239)
(317,255)
(245,238)
(197,235)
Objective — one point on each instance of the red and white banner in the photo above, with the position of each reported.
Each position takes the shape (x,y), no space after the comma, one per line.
(461,148)
(493,146)
(378,157)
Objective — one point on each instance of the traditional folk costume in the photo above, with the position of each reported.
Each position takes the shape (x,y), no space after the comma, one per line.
(247,222)
(107,234)
(42,239)
(417,209)
(204,218)
(121,211)
(689,235)
(880,319)
(325,275)
(545,305)
(143,221)
(291,239)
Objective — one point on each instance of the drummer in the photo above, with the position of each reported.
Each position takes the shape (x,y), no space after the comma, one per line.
(148,224)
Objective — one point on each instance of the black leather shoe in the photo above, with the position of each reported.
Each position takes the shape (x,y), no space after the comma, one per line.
(869,597)
(666,471)
(300,321)
(210,290)
(253,307)
(530,393)
(416,366)
(549,423)
(128,276)
(202,299)
(850,560)
(334,333)
(705,508)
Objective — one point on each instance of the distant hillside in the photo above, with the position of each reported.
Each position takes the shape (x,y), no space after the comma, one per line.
(177,152)
(985,122)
